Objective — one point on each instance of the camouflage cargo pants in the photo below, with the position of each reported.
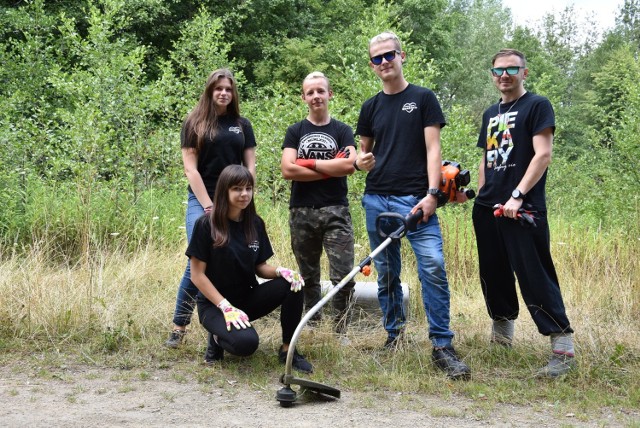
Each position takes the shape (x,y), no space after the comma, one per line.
(313,229)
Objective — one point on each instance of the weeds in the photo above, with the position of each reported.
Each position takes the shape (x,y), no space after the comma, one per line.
(113,307)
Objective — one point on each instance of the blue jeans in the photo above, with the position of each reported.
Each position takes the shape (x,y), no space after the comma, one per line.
(187,291)
(426,242)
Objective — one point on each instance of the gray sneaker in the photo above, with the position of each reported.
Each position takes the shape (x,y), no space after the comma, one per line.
(502,332)
(175,338)
(558,365)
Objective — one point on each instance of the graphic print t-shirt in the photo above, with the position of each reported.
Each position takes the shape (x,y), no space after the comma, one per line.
(507,140)
(231,269)
(318,142)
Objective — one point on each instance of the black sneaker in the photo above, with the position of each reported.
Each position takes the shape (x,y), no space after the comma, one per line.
(175,338)
(299,363)
(214,351)
(447,360)
(391,344)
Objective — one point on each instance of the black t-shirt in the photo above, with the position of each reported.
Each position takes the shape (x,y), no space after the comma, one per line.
(507,140)
(231,269)
(318,142)
(227,148)
(396,123)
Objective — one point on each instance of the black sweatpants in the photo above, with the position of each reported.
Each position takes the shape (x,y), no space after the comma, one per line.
(263,299)
(506,247)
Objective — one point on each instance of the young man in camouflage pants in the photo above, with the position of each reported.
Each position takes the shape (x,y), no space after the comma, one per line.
(318,155)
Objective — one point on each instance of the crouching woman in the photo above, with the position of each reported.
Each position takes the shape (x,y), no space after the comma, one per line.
(229,247)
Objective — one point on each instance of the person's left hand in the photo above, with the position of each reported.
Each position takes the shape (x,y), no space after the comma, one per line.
(292,277)
(428,205)
(343,153)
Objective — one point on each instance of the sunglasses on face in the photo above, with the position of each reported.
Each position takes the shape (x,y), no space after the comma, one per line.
(389,56)
(511,71)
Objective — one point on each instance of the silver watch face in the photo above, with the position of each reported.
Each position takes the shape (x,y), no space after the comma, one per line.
(516,194)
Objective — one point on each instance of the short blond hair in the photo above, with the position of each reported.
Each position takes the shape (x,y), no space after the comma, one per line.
(383,37)
(317,75)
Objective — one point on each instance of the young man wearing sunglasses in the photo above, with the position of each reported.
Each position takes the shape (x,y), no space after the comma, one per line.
(516,141)
(399,131)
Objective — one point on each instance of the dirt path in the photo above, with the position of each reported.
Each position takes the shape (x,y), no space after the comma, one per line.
(88,396)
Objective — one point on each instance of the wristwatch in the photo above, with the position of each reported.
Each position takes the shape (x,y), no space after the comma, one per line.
(517,194)
(433,191)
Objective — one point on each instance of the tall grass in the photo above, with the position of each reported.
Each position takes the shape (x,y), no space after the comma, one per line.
(112,304)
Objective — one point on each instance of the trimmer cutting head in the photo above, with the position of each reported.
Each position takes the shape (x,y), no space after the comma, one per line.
(287,396)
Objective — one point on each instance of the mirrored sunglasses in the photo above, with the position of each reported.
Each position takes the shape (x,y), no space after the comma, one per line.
(389,56)
(511,71)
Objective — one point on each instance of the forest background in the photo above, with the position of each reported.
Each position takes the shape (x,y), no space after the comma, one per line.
(93,94)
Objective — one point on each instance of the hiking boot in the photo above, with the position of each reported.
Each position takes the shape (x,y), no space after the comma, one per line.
(447,360)
(391,344)
(214,351)
(175,338)
(558,365)
(299,362)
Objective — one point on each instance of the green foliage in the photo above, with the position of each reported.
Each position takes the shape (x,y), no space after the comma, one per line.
(199,50)
(473,31)
(94,92)
(271,112)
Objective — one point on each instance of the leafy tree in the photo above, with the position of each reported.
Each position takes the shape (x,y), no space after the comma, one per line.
(27,101)
(628,22)
(476,30)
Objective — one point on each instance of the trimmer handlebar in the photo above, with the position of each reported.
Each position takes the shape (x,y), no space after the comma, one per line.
(408,223)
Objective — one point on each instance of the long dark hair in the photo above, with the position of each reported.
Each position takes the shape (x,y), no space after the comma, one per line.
(232,175)
(202,121)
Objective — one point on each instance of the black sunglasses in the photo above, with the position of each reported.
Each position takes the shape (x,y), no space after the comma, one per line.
(511,70)
(389,56)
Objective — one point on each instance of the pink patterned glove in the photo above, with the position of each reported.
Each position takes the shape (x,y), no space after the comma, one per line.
(292,277)
(233,315)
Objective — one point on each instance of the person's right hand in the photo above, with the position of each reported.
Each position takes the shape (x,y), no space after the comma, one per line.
(233,315)
(366,161)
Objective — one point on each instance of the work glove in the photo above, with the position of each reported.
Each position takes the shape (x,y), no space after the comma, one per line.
(311,164)
(233,315)
(292,277)
(343,153)
(526,218)
(307,163)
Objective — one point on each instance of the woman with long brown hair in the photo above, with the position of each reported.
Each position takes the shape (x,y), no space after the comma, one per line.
(213,136)
(228,250)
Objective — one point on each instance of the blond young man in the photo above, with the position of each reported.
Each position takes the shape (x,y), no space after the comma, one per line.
(317,156)
(399,132)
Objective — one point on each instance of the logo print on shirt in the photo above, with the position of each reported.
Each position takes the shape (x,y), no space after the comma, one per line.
(500,141)
(317,145)
(255,246)
(235,129)
(409,107)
